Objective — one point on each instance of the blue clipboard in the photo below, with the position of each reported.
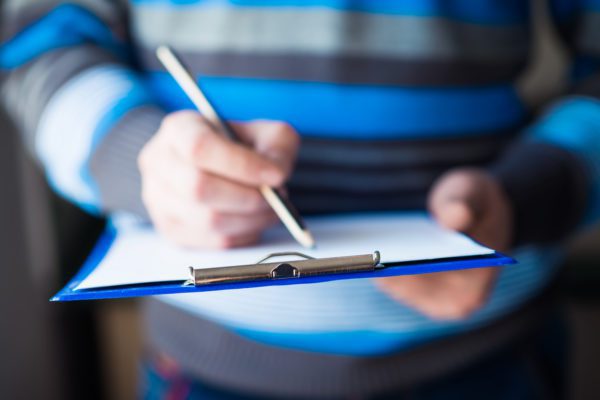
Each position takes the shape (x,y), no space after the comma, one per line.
(68,293)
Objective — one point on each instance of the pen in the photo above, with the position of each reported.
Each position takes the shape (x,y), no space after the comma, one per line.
(284,209)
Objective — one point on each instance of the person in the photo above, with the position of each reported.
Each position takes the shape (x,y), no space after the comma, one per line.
(400,105)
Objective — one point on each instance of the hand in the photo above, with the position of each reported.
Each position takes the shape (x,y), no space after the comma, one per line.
(469,201)
(200,189)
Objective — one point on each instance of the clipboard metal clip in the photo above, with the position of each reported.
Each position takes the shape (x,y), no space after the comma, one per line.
(307,266)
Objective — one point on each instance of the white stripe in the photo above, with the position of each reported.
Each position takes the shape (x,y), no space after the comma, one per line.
(310,30)
(64,138)
(356,305)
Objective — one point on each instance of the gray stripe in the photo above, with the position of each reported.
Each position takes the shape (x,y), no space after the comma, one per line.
(324,31)
(18,14)
(392,154)
(345,69)
(327,203)
(13,7)
(364,181)
(27,90)
(113,165)
(347,175)
(588,38)
(212,353)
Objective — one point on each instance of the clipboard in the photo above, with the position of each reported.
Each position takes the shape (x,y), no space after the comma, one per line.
(288,271)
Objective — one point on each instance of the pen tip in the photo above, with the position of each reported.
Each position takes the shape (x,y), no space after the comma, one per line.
(307,240)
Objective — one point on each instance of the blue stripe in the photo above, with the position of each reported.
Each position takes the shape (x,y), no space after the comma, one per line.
(64,26)
(353,317)
(516,284)
(359,343)
(353,111)
(486,12)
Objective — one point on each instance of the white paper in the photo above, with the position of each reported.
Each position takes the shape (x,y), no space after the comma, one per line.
(139,255)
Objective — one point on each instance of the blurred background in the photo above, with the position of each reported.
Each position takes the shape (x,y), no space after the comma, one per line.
(90,349)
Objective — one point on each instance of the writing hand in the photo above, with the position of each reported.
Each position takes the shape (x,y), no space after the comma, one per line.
(200,189)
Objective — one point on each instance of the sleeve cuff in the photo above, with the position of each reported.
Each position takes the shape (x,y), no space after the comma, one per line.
(547,186)
(113,165)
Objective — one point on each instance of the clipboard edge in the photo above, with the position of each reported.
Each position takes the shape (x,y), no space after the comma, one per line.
(68,293)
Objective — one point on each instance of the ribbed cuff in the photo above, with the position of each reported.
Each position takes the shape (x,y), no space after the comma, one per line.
(547,186)
(113,165)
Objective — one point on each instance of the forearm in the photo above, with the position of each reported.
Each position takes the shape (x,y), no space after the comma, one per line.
(88,132)
(83,111)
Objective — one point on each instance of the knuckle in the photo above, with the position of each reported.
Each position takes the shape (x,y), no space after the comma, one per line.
(201,188)
(255,202)
(172,121)
(178,121)
(214,220)
(290,133)
(203,139)
(169,120)
(248,165)
(224,242)
(285,132)
(182,115)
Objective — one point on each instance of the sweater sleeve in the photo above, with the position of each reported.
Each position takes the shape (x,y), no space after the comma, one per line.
(552,175)
(68,81)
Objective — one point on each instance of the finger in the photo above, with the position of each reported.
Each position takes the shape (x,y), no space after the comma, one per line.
(276,140)
(187,237)
(174,176)
(236,224)
(211,190)
(196,142)
(218,155)
(203,218)
(221,194)
(162,201)
(184,233)
(443,295)
(455,215)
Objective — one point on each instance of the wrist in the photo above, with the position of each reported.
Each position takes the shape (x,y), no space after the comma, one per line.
(113,165)
(542,184)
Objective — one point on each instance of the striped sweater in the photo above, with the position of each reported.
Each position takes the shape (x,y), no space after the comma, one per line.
(386,95)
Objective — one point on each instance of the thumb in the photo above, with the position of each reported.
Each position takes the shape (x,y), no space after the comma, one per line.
(455,200)
(455,214)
